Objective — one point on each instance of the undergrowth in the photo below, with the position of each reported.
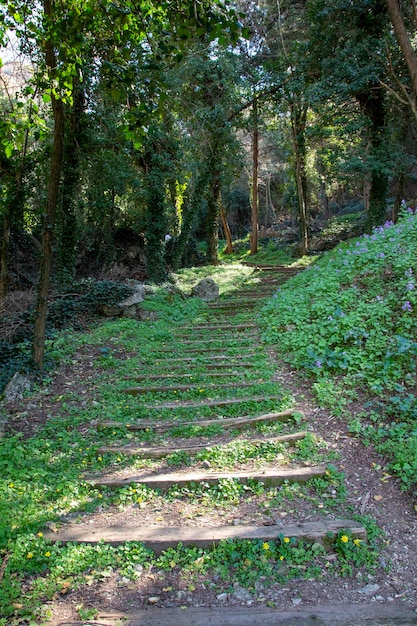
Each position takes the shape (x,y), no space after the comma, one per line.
(349,321)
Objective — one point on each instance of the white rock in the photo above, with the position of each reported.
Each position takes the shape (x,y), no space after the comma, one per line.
(369,590)
(153,599)
(222,596)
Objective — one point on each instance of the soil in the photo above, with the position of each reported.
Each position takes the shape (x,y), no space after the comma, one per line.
(370,490)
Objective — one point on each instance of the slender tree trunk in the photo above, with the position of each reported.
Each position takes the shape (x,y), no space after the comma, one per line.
(227,233)
(403,39)
(212,221)
(4,255)
(156,225)
(373,105)
(255,167)
(74,137)
(51,205)
(298,124)
(399,196)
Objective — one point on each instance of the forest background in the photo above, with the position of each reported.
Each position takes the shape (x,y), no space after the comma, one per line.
(127,121)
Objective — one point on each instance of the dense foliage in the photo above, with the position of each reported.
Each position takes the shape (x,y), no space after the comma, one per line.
(349,321)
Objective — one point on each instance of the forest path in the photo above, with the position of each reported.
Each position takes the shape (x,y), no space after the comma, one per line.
(210,369)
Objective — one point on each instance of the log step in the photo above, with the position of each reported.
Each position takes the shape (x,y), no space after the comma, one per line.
(371,614)
(230,327)
(136,391)
(141,377)
(229,422)
(230,304)
(280,269)
(160,452)
(197,350)
(163,482)
(213,403)
(160,538)
(223,357)
(175,363)
(242,338)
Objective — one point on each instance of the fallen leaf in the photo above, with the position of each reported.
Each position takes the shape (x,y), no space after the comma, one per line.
(378,498)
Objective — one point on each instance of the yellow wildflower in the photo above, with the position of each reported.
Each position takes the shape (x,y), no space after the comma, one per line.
(281,558)
(47,554)
(265,545)
(344,538)
(40,534)
(286,540)
(29,555)
(11,485)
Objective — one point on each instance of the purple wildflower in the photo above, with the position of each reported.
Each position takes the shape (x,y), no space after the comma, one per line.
(407,306)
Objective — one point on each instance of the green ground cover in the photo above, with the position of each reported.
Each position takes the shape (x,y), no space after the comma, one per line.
(349,322)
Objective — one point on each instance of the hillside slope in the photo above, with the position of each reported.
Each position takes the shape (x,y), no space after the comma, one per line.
(349,322)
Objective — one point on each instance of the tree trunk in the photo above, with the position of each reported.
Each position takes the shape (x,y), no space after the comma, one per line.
(373,105)
(255,167)
(52,201)
(399,196)
(74,138)
(188,213)
(212,220)
(156,225)
(403,39)
(227,233)
(298,124)
(4,255)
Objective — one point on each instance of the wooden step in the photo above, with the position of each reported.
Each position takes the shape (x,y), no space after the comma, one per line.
(175,363)
(197,350)
(279,269)
(160,452)
(372,614)
(136,391)
(231,304)
(163,482)
(141,377)
(224,357)
(241,338)
(241,300)
(211,361)
(230,422)
(160,538)
(211,403)
(230,327)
